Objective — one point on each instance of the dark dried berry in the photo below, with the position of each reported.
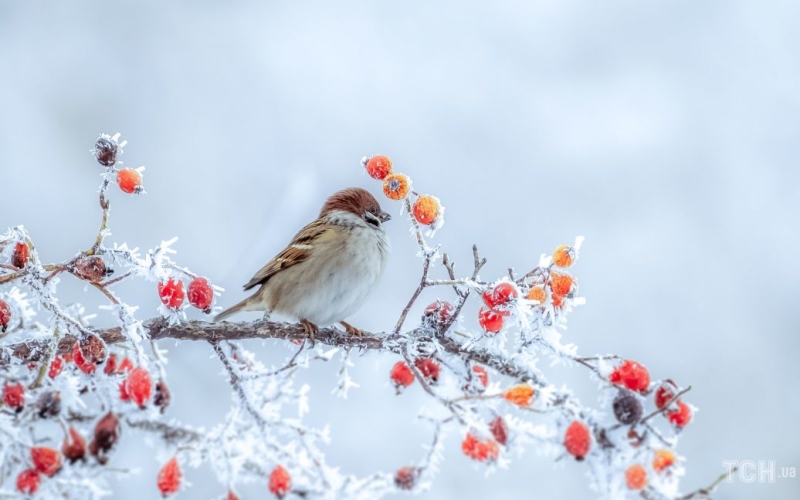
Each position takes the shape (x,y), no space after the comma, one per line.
(92,269)
(105,150)
(499,430)
(93,349)
(5,316)
(74,446)
(406,478)
(106,434)
(49,404)
(162,397)
(20,256)
(627,408)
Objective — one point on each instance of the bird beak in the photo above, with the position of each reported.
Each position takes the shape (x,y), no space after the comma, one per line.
(384,216)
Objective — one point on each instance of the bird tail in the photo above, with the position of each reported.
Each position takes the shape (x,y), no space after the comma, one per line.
(241,306)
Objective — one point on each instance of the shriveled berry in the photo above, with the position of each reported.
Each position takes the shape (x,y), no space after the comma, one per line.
(28,481)
(627,408)
(499,430)
(20,256)
(437,314)
(162,396)
(636,477)
(129,180)
(632,375)
(578,440)
(663,459)
(480,449)
(5,316)
(56,367)
(80,361)
(46,460)
(429,369)
(406,478)
(48,405)
(426,209)
(520,395)
(105,151)
(106,435)
(280,482)
(681,417)
(74,446)
(171,293)
(201,295)
(93,349)
(401,375)
(169,477)
(14,395)
(139,386)
(378,167)
(92,269)
(490,320)
(563,255)
(396,186)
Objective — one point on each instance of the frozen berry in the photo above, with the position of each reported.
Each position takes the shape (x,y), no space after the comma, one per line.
(537,293)
(396,186)
(577,440)
(401,375)
(499,430)
(520,395)
(162,396)
(501,296)
(129,180)
(48,405)
(139,386)
(627,408)
(481,374)
(56,366)
(561,284)
(93,349)
(105,151)
(169,477)
(232,496)
(20,256)
(632,375)
(201,295)
(14,395)
(681,417)
(80,361)
(28,481)
(636,477)
(74,446)
(91,269)
(5,316)
(563,255)
(111,364)
(429,368)
(378,167)
(437,314)
(406,477)
(171,293)
(427,209)
(125,366)
(663,459)
(106,434)
(280,482)
(46,460)
(480,450)
(490,320)
(664,394)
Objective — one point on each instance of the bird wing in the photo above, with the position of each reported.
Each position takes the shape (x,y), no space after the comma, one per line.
(299,250)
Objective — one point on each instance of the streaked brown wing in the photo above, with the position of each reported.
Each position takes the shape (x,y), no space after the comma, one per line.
(296,252)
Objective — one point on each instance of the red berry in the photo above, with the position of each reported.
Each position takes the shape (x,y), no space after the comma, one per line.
(123,391)
(171,293)
(632,375)
(14,395)
(499,430)
(636,477)
(480,450)
(56,366)
(139,386)
(437,314)
(279,482)
(5,316)
(201,295)
(20,256)
(681,417)
(577,440)
(80,361)
(111,364)
(378,167)
(129,180)
(406,478)
(429,368)
(125,366)
(664,394)
(28,481)
(46,460)
(490,320)
(482,375)
(401,375)
(74,446)
(169,477)
(500,297)
(232,496)
(92,269)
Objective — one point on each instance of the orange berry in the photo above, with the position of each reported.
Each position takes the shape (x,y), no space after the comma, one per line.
(20,256)
(129,180)
(480,450)
(636,477)
(169,477)
(663,458)
(427,209)
(537,293)
(378,167)
(396,186)
(563,255)
(681,417)
(520,395)
(561,284)
(578,440)
(280,482)
(46,460)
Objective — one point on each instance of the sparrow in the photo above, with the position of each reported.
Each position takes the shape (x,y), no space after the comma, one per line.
(328,269)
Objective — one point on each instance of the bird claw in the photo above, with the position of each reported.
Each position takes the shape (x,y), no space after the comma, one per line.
(311,329)
(351,329)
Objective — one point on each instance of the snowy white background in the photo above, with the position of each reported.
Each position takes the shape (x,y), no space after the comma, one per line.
(667,133)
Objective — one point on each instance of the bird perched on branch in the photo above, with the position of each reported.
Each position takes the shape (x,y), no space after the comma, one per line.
(330,267)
